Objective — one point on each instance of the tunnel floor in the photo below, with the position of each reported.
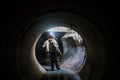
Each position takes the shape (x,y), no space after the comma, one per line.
(48,68)
(62,74)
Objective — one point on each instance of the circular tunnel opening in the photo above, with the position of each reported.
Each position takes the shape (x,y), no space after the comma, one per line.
(70,44)
(29,56)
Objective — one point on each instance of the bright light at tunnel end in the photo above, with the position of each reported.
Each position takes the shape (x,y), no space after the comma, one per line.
(72,49)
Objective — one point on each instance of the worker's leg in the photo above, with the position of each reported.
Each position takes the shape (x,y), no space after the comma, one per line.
(57,63)
(47,58)
(52,61)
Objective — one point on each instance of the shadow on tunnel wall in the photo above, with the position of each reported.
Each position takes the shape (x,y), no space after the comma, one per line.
(21,11)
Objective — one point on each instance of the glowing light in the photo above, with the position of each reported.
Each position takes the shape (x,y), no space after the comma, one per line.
(51,33)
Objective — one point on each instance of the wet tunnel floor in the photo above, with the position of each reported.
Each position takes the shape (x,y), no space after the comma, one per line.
(48,68)
(62,74)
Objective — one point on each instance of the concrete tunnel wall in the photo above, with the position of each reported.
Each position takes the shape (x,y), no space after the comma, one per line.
(17,16)
(96,51)
(74,55)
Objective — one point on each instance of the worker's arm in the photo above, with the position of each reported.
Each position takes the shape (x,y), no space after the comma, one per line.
(44,44)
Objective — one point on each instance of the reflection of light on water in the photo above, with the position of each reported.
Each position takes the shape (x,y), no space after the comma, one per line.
(64,74)
(72,75)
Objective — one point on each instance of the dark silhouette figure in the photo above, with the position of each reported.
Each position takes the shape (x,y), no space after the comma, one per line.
(53,51)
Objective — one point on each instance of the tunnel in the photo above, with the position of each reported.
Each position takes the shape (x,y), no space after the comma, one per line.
(26,24)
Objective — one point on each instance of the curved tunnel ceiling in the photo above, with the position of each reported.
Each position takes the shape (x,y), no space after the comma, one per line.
(29,67)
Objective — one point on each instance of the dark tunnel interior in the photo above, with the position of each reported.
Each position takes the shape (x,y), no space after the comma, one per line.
(22,25)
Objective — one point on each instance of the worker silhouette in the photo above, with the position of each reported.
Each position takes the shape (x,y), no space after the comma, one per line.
(53,51)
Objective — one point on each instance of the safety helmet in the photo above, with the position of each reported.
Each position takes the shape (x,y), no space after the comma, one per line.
(51,35)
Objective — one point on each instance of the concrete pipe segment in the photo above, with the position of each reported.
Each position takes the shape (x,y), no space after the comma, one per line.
(95,48)
(24,29)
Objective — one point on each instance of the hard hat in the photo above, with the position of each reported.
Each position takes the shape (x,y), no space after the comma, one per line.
(51,35)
